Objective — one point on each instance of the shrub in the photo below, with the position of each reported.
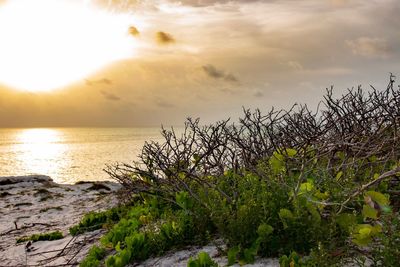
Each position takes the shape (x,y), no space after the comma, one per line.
(315,183)
(97,220)
(95,255)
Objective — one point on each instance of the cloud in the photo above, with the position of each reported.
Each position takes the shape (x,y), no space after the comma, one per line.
(230,91)
(215,73)
(110,96)
(133,31)
(258,93)
(104,81)
(294,65)
(164,38)
(202,3)
(118,5)
(369,47)
(164,104)
(340,3)
(231,78)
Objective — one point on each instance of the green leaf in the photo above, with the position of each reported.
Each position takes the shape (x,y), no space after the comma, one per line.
(369,212)
(277,163)
(346,221)
(339,175)
(306,187)
(125,256)
(380,198)
(386,209)
(249,254)
(110,261)
(322,196)
(192,263)
(314,212)
(232,255)
(264,230)
(204,258)
(376,229)
(284,261)
(285,215)
(118,246)
(291,152)
(363,233)
(277,160)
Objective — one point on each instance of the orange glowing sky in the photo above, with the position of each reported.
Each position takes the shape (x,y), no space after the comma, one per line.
(136,62)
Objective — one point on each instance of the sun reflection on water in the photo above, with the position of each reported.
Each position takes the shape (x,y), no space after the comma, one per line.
(69,155)
(40,150)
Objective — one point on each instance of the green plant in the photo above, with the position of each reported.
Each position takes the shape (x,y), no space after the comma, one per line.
(94,257)
(294,260)
(97,220)
(385,250)
(202,260)
(90,222)
(41,237)
(233,255)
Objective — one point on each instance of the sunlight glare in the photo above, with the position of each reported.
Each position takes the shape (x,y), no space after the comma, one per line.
(41,151)
(47,44)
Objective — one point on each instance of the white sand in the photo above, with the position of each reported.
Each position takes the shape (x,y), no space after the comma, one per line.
(38,205)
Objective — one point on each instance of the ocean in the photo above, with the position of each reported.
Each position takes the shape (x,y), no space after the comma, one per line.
(69,155)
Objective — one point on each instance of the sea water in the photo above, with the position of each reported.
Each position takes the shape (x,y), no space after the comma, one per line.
(69,155)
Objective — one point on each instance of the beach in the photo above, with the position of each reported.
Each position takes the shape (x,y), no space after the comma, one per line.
(36,204)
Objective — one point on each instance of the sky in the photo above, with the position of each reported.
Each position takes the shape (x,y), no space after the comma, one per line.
(147,63)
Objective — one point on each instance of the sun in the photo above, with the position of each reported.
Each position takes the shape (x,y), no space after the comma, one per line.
(49,44)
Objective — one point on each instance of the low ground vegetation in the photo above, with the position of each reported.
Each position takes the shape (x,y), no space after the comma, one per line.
(41,237)
(312,188)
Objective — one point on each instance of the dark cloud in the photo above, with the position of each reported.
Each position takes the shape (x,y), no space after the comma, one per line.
(133,31)
(215,73)
(231,78)
(164,38)
(110,96)
(258,94)
(104,81)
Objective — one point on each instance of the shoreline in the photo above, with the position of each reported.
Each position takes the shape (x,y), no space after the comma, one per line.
(35,204)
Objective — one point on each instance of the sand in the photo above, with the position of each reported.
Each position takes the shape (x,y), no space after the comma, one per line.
(35,204)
